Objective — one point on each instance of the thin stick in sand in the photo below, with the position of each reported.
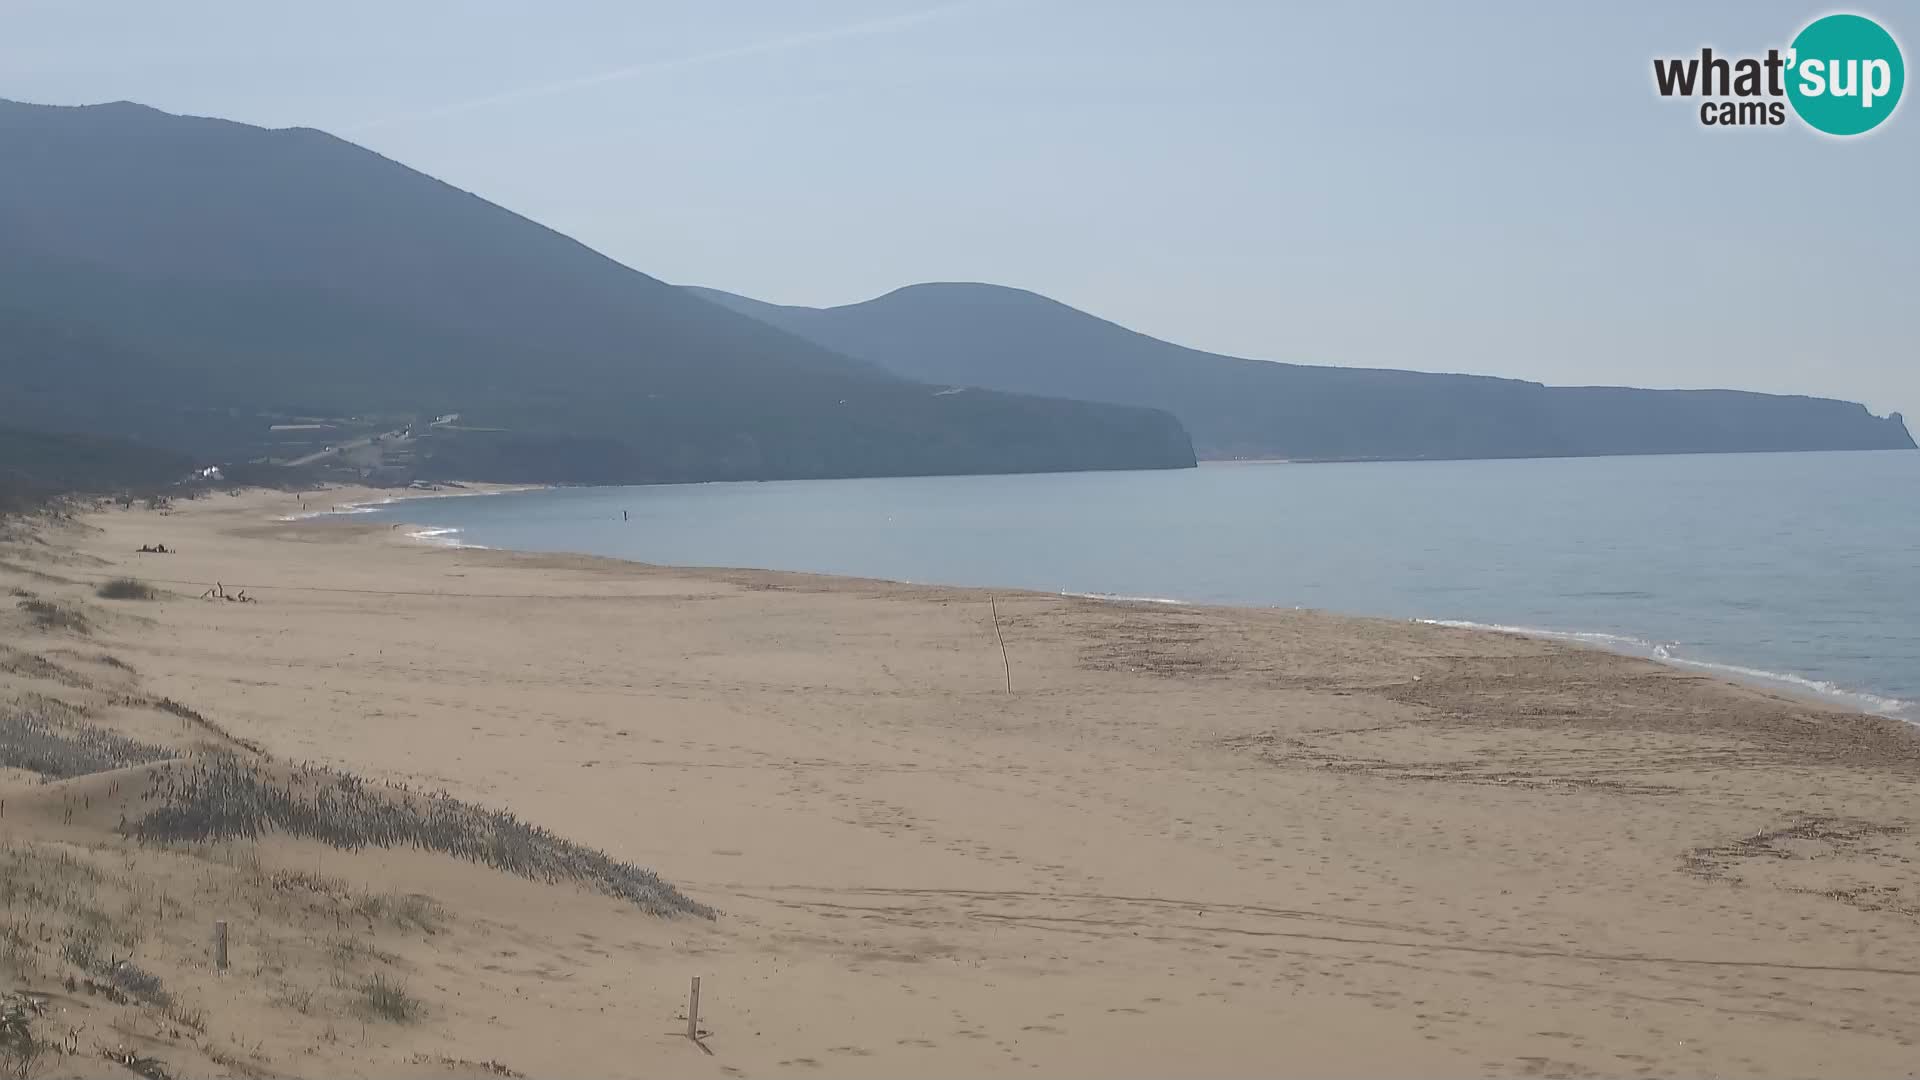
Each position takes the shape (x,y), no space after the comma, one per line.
(1005,664)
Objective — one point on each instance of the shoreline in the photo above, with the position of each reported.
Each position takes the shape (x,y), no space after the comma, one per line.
(1790,683)
(364,505)
(1787,687)
(1140,841)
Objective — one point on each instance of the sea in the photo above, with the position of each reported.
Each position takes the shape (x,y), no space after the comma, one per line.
(1800,571)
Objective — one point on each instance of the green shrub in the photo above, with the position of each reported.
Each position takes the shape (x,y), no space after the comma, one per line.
(126,588)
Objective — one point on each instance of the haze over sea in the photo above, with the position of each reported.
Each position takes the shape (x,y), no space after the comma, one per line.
(1799,570)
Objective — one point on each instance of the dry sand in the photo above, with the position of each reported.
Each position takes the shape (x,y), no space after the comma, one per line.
(1189,841)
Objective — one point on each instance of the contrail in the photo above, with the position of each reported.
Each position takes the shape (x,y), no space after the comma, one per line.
(868,28)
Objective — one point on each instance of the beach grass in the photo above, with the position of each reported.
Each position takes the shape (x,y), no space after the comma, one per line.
(44,736)
(220,796)
(52,615)
(388,999)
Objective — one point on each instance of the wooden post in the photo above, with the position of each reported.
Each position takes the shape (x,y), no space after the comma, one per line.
(220,944)
(693,1011)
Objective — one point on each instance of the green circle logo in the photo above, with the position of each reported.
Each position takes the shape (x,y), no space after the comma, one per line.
(1845,74)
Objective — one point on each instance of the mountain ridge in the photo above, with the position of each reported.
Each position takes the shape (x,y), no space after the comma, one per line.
(186,278)
(1000,337)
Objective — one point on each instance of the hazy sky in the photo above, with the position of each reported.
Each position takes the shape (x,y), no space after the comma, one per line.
(1469,187)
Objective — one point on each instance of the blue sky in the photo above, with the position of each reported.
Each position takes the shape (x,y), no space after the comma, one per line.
(1486,187)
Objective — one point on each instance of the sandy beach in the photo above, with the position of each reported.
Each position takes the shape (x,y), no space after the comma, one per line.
(1155,840)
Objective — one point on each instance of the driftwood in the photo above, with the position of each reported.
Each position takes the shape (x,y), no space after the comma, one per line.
(151,1068)
(18,1011)
(219,592)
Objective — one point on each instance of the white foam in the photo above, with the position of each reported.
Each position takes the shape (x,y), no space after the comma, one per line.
(412,494)
(340,510)
(1873,703)
(1112,598)
(443,536)
(1667,653)
(332,511)
(1589,637)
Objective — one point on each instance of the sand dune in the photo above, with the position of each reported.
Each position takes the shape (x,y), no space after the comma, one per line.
(1189,841)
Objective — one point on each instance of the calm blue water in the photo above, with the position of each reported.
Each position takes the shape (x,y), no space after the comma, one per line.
(1801,568)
